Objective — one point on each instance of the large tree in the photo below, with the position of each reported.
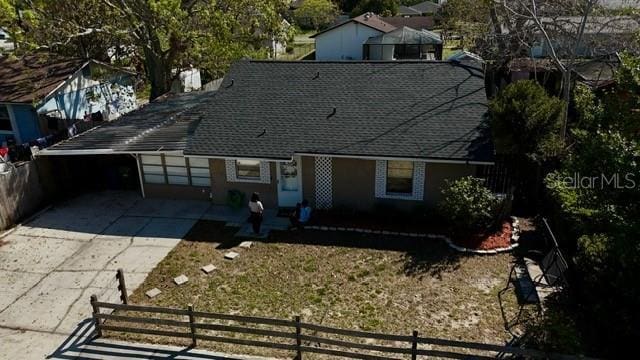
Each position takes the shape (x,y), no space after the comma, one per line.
(164,35)
(315,14)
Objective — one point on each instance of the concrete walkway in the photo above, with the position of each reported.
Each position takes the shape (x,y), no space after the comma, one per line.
(50,266)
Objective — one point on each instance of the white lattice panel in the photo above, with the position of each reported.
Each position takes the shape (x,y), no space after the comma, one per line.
(324,186)
(418,182)
(232,176)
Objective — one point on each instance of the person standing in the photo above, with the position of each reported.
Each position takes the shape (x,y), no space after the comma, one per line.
(256,209)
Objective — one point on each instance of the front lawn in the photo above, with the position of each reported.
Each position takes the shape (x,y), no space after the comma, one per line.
(348,280)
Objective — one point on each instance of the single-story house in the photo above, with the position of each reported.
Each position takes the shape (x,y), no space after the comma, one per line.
(42,94)
(349,40)
(339,134)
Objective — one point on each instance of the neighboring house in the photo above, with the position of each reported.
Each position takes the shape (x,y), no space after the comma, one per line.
(344,40)
(420,9)
(340,134)
(404,44)
(597,73)
(6,44)
(351,40)
(42,94)
(414,22)
(602,35)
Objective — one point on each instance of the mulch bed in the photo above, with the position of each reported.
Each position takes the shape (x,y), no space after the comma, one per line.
(498,239)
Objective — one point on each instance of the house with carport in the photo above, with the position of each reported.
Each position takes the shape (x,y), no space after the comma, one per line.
(339,134)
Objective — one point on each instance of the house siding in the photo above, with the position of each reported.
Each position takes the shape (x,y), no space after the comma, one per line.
(184,192)
(220,186)
(24,122)
(354,184)
(72,100)
(344,42)
(309,179)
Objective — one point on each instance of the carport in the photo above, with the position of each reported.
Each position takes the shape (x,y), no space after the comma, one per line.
(141,150)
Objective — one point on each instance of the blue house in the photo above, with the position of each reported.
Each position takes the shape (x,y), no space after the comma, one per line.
(43,95)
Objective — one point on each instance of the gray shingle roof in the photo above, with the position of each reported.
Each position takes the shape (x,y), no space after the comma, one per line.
(154,127)
(428,110)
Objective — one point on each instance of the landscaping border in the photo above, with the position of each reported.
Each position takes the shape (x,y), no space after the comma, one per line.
(515,235)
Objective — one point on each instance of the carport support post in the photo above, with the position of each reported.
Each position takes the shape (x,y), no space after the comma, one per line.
(414,346)
(298,339)
(122,286)
(95,312)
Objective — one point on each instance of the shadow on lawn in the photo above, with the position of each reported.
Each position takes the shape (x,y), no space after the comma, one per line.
(423,256)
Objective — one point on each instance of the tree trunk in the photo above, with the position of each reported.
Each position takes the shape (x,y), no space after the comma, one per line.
(158,73)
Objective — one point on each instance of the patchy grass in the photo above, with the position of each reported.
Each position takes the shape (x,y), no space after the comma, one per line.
(347,280)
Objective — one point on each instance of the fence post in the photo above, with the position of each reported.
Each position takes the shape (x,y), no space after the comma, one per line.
(414,346)
(298,339)
(192,325)
(122,287)
(95,312)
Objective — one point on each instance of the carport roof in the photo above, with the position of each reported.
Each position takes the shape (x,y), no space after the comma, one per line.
(154,127)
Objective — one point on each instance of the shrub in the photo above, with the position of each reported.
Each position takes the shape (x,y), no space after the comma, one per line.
(235,199)
(468,206)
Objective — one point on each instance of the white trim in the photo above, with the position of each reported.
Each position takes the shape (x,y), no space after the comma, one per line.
(265,172)
(140,175)
(418,182)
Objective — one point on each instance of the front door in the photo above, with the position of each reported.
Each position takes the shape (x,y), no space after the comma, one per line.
(289,183)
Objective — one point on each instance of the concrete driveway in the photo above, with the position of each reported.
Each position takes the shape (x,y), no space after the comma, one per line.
(50,266)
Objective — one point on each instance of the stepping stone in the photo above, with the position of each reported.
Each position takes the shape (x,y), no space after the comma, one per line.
(180,280)
(231,255)
(153,293)
(246,244)
(208,268)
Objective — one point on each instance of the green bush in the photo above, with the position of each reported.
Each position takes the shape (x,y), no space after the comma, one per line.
(235,199)
(468,206)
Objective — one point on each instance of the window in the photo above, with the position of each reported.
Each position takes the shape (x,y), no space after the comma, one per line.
(399,177)
(248,169)
(400,180)
(200,175)
(153,170)
(174,170)
(5,120)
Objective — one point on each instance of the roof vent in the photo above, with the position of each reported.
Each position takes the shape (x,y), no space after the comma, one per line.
(367,16)
(332,113)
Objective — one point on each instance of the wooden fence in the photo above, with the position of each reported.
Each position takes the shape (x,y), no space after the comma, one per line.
(291,335)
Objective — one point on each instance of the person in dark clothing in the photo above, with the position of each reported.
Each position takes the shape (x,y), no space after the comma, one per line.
(256,209)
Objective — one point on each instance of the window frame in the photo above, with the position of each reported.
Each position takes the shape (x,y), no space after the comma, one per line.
(411,178)
(417,193)
(232,172)
(255,163)
(171,171)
